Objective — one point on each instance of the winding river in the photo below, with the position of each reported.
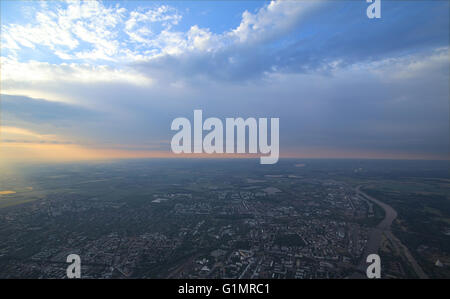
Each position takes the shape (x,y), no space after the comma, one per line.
(384,226)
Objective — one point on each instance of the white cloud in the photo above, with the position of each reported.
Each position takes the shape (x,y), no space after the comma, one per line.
(49,81)
(89,30)
(35,72)
(271,20)
(413,66)
(164,14)
(47,33)
(66,31)
(202,39)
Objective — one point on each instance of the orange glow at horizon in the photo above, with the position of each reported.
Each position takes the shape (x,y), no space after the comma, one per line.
(47,152)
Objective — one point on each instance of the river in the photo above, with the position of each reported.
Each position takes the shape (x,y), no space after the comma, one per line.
(376,233)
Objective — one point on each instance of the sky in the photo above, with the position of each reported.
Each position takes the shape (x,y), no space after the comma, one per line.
(94,80)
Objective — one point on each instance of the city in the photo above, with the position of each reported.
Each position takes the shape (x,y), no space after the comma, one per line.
(155,220)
